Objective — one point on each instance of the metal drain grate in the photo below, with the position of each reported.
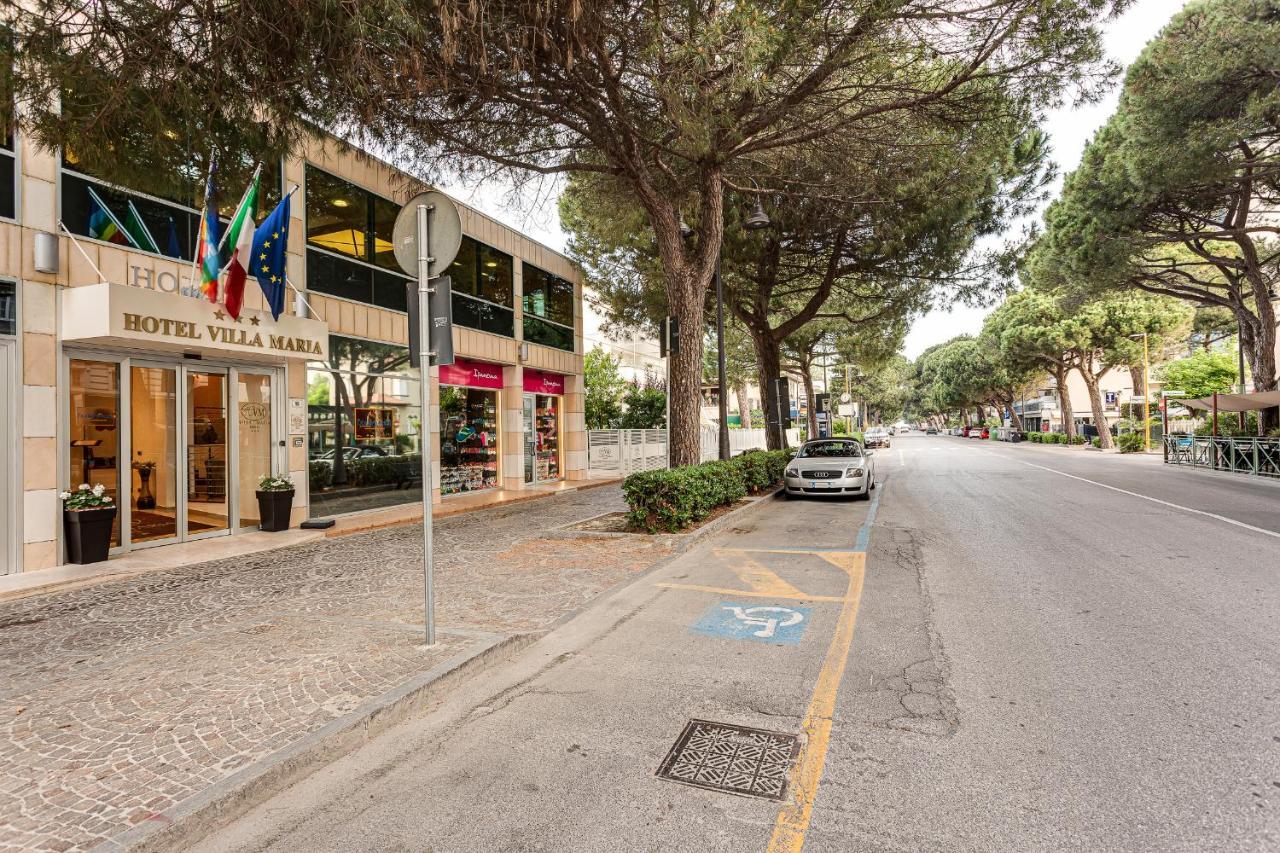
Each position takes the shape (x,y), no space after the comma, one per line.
(736,759)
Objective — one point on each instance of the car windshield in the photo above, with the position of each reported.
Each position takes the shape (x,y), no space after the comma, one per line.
(829,449)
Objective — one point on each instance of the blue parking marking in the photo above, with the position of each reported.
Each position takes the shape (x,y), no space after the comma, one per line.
(763,623)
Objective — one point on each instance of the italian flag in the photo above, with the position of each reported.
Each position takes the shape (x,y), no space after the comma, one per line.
(240,235)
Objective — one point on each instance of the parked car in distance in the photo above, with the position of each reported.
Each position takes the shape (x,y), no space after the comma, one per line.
(979,432)
(830,466)
(349,453)
(876,437)
(933,430)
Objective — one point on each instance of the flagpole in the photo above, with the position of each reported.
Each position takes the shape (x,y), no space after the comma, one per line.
(101,278)
(199,231)
(301,296)
(222,241)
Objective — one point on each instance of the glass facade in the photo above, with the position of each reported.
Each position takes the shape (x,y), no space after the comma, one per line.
(548,308)
(8,308)
(94,429)
(469,438)
(364,401)
(483,288)
(153,415)
(349,248)
(542,438)
(8,158)
(152,222)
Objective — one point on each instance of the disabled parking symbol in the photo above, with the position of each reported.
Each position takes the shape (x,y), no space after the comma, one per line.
(763,623)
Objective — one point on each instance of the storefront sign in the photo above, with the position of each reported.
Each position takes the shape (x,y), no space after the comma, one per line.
(539,382)
(473,374)
(375,424)
(122,315)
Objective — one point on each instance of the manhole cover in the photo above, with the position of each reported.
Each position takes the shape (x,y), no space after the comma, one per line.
(736,759)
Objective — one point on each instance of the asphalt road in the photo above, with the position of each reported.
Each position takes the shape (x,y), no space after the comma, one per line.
(1038,649)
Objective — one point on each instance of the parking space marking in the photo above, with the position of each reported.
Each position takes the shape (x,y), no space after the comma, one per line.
(764,623)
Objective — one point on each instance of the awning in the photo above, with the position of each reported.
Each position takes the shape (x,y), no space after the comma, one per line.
(1236,402)
(137,317)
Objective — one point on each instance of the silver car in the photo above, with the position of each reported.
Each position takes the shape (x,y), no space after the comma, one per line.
(830,466)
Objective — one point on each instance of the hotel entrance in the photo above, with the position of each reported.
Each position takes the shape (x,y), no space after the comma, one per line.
(178,446)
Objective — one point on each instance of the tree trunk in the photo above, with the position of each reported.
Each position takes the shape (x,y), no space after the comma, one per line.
(684,393)
(769,368)
(1064,400)
(1095,403)
(744,404)
(1135,374)
(1259,342)
(1014,418)
(811,415)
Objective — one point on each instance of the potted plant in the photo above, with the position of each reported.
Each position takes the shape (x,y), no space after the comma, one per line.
(88,514)
(275,500)
(145,499)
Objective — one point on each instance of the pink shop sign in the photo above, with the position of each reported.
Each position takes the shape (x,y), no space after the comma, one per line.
(473,374)
(538,382)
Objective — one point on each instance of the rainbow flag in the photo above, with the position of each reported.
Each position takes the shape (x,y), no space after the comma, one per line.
(103,224)
(207,254)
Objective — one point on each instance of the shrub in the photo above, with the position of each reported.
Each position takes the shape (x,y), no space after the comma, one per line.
(1078,439)
(1056,437)
(1035,437)
(1130,442)
(673,499)
(1097,442)
(319,474)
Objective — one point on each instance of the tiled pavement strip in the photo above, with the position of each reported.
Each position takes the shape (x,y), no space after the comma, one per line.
(121,700)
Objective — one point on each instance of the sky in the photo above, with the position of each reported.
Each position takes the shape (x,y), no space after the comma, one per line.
(1069,129)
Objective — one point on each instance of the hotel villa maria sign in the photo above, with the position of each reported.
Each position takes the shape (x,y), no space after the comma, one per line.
(156,317)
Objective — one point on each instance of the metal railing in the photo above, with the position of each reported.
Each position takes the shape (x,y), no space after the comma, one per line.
(1257,456)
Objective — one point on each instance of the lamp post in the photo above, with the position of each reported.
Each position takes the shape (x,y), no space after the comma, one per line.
(1146,391)
(756,221)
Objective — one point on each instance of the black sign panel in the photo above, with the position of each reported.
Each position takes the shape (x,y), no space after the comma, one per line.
(441,300)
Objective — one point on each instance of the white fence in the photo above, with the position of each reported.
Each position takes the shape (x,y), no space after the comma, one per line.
(625,451)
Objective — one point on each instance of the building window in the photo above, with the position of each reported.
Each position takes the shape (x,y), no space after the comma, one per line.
(160,224)
(8,308)
(468,439)
(8,158)
(548,309)
(363,427)
(349,247)
(483,288)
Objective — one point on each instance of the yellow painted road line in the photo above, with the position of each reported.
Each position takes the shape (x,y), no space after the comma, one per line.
(757,576)
(749,593)
(793,820)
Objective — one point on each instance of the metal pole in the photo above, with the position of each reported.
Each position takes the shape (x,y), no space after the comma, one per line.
(666,392)
(1240,356)
(720,368)
(424,428)
(1146,393)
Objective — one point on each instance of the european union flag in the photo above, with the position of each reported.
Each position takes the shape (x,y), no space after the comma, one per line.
(269,242)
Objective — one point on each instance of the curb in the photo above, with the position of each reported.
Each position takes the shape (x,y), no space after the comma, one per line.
(198,816)
(681,541)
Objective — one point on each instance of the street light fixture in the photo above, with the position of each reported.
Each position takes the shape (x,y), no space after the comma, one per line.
(1146,391)
(755,222)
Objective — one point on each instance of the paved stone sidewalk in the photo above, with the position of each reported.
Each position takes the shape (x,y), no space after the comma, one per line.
(119,701)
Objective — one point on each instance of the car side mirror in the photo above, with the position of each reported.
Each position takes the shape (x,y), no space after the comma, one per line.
(868,453)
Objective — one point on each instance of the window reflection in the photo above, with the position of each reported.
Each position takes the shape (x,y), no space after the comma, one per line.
(95,429)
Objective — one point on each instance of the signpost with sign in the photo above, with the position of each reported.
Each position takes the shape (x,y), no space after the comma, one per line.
(426,238)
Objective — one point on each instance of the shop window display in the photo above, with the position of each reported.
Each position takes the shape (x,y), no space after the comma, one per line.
(468,439)
(364,401)
(546,420)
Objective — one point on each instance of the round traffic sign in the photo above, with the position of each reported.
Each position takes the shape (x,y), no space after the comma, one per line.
(445,234)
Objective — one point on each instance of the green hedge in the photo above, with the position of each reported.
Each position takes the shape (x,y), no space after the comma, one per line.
(673,499)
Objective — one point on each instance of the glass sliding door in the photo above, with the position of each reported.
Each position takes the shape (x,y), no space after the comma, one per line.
(530,439)
(208,507)
(94,429)
(153,465)
(253,441)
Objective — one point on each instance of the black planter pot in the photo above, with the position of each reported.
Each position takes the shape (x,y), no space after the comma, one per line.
(273,509)
(88,534)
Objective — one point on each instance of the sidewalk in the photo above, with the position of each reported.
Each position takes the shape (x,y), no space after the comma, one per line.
(123,703)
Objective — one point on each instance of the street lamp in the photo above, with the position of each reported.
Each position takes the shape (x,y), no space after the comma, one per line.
(1146,391)
(755,222)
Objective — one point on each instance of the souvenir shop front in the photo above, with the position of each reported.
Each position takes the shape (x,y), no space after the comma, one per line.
(543,413)
(470,434)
